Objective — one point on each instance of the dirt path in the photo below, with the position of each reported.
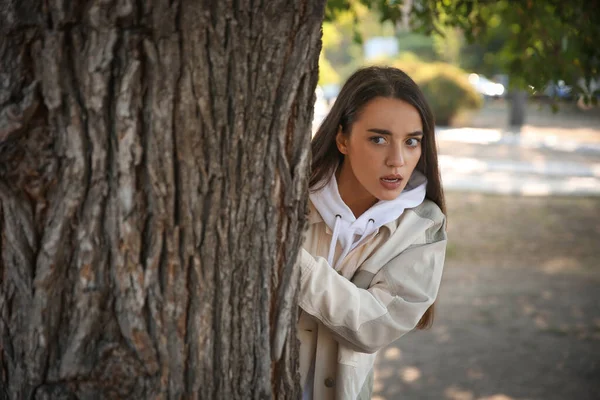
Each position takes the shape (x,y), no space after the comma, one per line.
(518,314)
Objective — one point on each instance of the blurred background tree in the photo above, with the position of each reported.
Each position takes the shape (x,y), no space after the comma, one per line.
(532,47)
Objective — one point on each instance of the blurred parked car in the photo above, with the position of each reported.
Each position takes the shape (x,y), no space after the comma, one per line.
(558,89)
(486,87)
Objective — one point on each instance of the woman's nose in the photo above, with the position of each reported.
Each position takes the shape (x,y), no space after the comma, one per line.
(395,157)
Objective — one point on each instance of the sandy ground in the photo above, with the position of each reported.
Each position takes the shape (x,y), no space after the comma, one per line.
(518,314)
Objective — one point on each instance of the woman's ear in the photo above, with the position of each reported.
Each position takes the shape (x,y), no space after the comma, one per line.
(341,141)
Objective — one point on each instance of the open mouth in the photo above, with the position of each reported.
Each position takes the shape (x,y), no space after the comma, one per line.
(391,182)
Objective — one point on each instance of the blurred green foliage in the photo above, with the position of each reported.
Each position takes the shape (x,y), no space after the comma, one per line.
(344,31)
(534,42)
(445,86)
(543,40)
(418,44)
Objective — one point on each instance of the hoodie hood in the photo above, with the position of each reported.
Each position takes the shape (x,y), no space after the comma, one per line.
(348,230)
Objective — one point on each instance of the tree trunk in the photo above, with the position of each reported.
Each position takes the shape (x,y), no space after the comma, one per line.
(517,110)
(153,180)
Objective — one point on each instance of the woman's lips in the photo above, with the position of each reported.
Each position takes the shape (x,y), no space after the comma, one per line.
(391,183)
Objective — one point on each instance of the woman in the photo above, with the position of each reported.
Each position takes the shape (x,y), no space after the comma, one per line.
(373,254)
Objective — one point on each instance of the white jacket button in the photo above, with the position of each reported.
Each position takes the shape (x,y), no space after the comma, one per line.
(329,382)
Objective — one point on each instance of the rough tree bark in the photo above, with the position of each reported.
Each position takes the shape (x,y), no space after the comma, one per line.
(153,177)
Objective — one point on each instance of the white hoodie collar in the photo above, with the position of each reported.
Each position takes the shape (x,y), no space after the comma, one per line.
(340,219)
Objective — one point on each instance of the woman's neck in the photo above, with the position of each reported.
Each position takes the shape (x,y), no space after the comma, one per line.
(352,192)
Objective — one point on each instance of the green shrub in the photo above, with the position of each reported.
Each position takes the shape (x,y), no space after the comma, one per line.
(445,86)
(421,45)
(409,63)
(327,74)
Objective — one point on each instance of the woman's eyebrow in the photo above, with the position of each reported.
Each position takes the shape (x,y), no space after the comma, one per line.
(386,132)
(380,131)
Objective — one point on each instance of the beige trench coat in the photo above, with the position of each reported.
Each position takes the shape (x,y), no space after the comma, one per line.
(389,281)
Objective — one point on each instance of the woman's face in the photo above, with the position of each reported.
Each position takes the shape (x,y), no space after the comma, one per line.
(381,151)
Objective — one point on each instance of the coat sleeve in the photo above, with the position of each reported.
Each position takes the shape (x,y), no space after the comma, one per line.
(399,294)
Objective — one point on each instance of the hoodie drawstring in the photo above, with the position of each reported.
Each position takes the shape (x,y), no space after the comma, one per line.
(371,221)
(334,239)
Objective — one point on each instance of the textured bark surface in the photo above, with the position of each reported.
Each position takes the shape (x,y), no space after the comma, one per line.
(153,177)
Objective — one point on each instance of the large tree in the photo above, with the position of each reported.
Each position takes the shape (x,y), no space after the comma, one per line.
(153,178)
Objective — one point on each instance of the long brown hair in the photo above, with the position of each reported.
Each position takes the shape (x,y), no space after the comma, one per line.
(363,86)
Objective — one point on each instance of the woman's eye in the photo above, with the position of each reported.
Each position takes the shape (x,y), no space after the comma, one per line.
(377,140)
(413,142)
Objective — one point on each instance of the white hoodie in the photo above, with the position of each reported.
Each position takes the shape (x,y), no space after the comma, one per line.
(349,230)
